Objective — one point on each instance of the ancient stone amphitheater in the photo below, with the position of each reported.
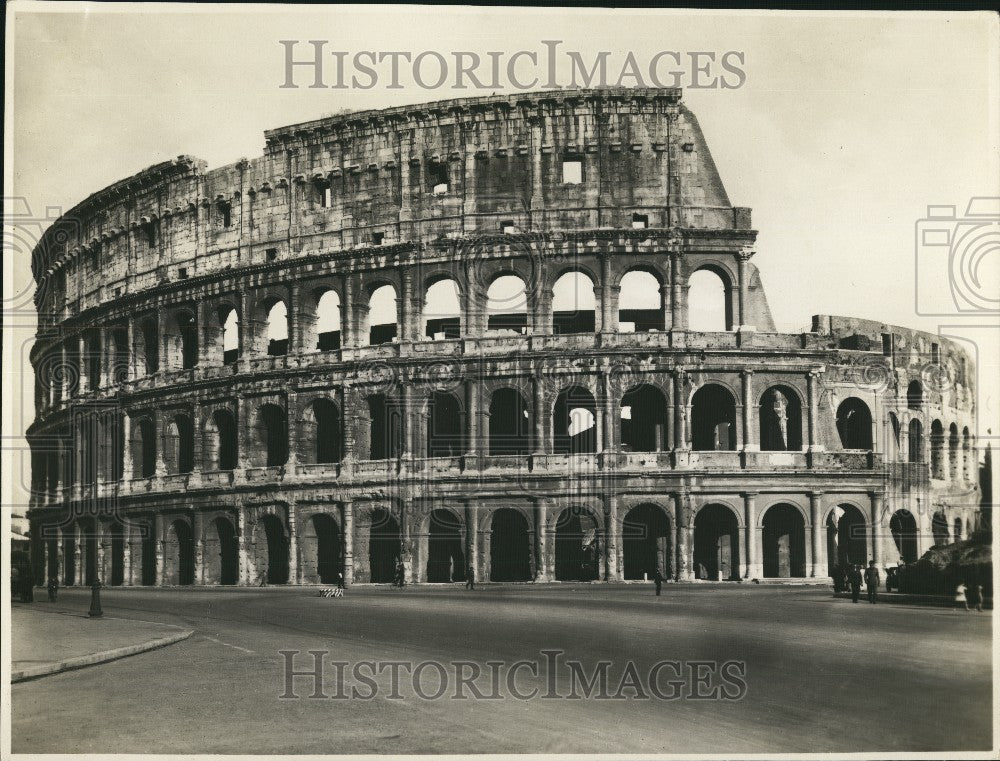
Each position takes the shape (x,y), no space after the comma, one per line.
(518,334)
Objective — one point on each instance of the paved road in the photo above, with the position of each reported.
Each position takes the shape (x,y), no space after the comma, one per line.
(821,674)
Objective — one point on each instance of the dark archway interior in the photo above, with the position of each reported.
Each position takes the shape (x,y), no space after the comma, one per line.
(713,419)
(643,420)
(780,416)
(784,542)
(328,549)
(510,549)
(69,558)
(903,527)
(915,441)
(575,422)
(148,556)
(847,539)
(274,432)
(228,552)
(383,547)
(854,424)
(445,557)
(646,543)
(444,426)
(716,544)
(386,429)
(117,555)
(189,340)
(509,424)
(277,550)
(225,424)
(939,528)
(327,431)
(577,547)
(180,542)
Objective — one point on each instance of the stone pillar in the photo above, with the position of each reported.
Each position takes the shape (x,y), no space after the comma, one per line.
(405,511)
(60,556)
(684,543)
(84,382)
(744,301)
(818,569)
(82,558)
(613,541)
(609,322)
(294,566)
(131,369)
(680,411)
(666,303)
(246,325)
(407,318)
(543,311)
(163,345)
(347,522)
(609,412)
(541,540)
(295,332)
(472,417)
(678,319)
(159,428)
(472,540)
(539,414)
(348,330)
(812,392)
(127,553)
(158,542)
(754,567)
(878,506)
(126,432)
(750,443)
(198,529)
(242,545)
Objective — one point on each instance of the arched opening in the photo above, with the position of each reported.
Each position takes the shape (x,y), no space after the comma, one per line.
(185,349)
(968,470)
(148,549)
(220,441)
(573,304)
(384,547)
(716,544)
(326,550)
(93,357)
(578,546)
(646,543)
(230,336)
(957,529)
(847,538)
(445,558)
(939,528)
(179,554)
(442,317)
(709,310)
(276,328)
(220,554)
(509,423)
(271,543)
(143,449)
(954,471)
(382,326)
(643,419)
(272,434)
(914,396)
(117,576)
(385,429)
(149,337)
(854,424)
(903,527)
(119,356)
(328,325)
(937,450)
(784,542)
(510,546)
(713,418)
(444,426)
(575,422)
(322,434)
(507,305)
(640,303)
(178,445)
(780,416)
(915,441)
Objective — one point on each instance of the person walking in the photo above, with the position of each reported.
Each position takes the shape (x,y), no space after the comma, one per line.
(470,578)
(979,597)
(855,578)
(960,600)
(53,589)
(658,579)
(400,573)
(872,580)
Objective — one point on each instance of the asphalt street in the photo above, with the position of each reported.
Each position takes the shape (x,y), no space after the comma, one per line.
(804,672)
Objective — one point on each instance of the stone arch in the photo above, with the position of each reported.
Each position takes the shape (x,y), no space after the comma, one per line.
(709,305)
(640,301)
(937,450)
(271,428)
(780,419)
(178,444)
(384,546)
(509,423)
(270,538)
(939,528)
(441,546)
(178,551)
(647,542)
(574,303)
(220,440)
(321,432)
(323,319)
(574,421)
(783,539)
(510,545)
(181,338)
(713,418)
(321,546)
(903,528)
(441,316)
(915,441)
(507,307)
(954,467)
(847,536)
(221,552)
(579,536)
(445,429)
(716,546)
(854,424)
(381,323)
(643,419)
(385,428)
(147,346)
(115,575)
(915,396)
(143,446)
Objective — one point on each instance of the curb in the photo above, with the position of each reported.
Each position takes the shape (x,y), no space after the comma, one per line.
(91,659)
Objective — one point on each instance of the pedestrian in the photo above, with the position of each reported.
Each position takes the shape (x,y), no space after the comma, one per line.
(470,578)
(263,578)
(53,589)
(855,579)
(658,579)
(400,573)
(979,597)
(872,580)
(960,601)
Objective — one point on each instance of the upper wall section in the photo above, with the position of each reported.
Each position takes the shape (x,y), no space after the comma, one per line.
(551,161)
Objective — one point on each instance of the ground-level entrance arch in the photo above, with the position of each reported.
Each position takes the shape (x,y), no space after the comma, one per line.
(716,544)
(577,546)
(510,546)
(646,543)
(445,557)
(846,538)
(783,536)
(903,527)
(271,550)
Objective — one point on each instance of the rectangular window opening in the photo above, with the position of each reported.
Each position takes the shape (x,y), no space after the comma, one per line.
(572,171)
(377,238)
(640,221)
(507,226)
(272,254)
(437,177)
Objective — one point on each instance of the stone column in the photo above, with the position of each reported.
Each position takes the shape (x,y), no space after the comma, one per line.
(541,540)
(541,445)
(472,417)
(406,321)
(666,304)
(472,539)
(543,311)
(81,555)
(347,521)
(613,541)
(128,466)
(348,330)
(818,569)
(878,505)
(84,382)
(295,332)
(294,566)
(405,511)
(754,567)
(744,300)
(204,344)
(750,443)
(812,392)
(610,413)
(682,509)
(60,556)
(158,543)
(131,370)
(163,345)
(242,545)
(678,319)
(198,529)
(127,579)
(609,321)
(680,411)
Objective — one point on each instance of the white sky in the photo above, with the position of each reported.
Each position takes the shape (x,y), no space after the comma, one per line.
(847,128)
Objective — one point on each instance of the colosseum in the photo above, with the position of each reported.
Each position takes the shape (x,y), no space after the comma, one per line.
(523,335)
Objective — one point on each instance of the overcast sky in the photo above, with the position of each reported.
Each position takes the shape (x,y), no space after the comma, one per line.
(846,128)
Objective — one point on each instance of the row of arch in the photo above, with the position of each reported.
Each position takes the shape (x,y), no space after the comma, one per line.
(949,450)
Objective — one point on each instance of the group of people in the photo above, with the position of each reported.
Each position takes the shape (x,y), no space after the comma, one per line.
(963,593)
(871,577)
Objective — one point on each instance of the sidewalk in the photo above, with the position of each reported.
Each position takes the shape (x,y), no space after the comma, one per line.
(46,642)
(940,601)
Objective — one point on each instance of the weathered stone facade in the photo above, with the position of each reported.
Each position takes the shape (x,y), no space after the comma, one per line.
(184,436)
